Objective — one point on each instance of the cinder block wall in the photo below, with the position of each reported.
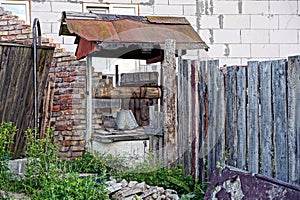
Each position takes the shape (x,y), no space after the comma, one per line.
(235,30)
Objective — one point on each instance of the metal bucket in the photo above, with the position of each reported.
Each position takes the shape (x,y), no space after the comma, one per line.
(125,120)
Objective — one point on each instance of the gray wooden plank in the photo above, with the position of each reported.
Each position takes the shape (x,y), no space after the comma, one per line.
(190,123)
(241,117)
(293,82)
(211,160)
(266,141)
(202,120)
(231,115)
(280,119)
(220,114)
(252,118)
(180,109)
(169,103)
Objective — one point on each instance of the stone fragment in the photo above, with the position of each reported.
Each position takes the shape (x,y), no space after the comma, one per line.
(132,183)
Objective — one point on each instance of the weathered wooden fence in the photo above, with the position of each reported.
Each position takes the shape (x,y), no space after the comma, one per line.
(244,116)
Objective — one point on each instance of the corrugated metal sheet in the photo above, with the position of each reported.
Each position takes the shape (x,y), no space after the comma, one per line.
(128,30)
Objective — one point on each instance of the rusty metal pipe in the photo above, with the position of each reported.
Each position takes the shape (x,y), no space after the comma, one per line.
(36,40)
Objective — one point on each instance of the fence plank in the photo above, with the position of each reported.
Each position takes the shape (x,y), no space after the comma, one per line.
(293,82)
(211,159)
(252,118)
(202,120)
(169,103)
(266,141)
(180,116)
(241,117)
(231,114)
(220,114)
(280,119)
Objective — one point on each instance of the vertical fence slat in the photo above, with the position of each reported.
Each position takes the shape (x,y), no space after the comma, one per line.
(280,119)
(266,117)
(241,117)
(195,118)
(252,118)
(293,82)
(169,103)
(202,119)
(180,111)
(220,114)
(231,114)
(211,159)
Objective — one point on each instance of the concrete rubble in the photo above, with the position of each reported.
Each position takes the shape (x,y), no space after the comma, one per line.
(134,190)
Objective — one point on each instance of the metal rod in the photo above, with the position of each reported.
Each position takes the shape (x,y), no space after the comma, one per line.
(36,39)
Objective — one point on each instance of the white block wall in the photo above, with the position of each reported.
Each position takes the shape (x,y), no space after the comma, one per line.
(235,30)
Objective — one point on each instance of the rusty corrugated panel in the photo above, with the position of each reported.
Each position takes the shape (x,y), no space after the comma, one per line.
(122,33)
(168,20)
(92,30)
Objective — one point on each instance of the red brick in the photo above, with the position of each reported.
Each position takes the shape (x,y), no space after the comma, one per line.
(61,128)
(77,153)
(8,38)
(65,107)
(70,112)
(62,74)
(56,108)
(67,154)
(69,79)
(65,96)
(77,148)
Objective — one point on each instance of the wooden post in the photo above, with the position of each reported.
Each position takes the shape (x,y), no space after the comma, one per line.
(169,103)
(293,82)
(280,119)
(241,117)
(252,118)
(266,141)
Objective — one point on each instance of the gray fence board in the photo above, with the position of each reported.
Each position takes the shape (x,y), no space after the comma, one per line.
(241,117)
(266,141)
(202,119)
(292,82)
(252,118)
(280,120)
(231,114)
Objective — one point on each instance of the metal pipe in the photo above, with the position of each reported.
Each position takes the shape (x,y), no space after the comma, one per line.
(36,40)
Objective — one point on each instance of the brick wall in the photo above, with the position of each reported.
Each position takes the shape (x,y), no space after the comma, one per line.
(235,30)
(68,114)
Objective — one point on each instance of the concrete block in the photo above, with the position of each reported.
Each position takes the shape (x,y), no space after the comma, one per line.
(69,39)
(255,36)
(69,47)
(146,10)
(289,50)
(216,50)
(205,35)
(142,2)
(264,21)
(61,6)
(283,36)
(227,36)
(55,37)
(236,22)
(40,6)
(255,7)
(225,7)
(46,16)
(185,2)
(209,22)
(283,7)
(265,50)
(55,27)
(192,20)
(117,1)
(161,2)
(46,27)
(189,10)
(230,61)
(239,50)
(289,21)
(168,10)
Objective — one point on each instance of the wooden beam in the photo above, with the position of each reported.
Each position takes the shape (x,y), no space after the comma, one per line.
(169,103)
(128,93)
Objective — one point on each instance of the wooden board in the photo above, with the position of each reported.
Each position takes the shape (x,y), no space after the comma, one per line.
(266,124)
(252,118)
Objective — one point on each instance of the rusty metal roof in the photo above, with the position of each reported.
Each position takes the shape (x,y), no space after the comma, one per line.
(127,36)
